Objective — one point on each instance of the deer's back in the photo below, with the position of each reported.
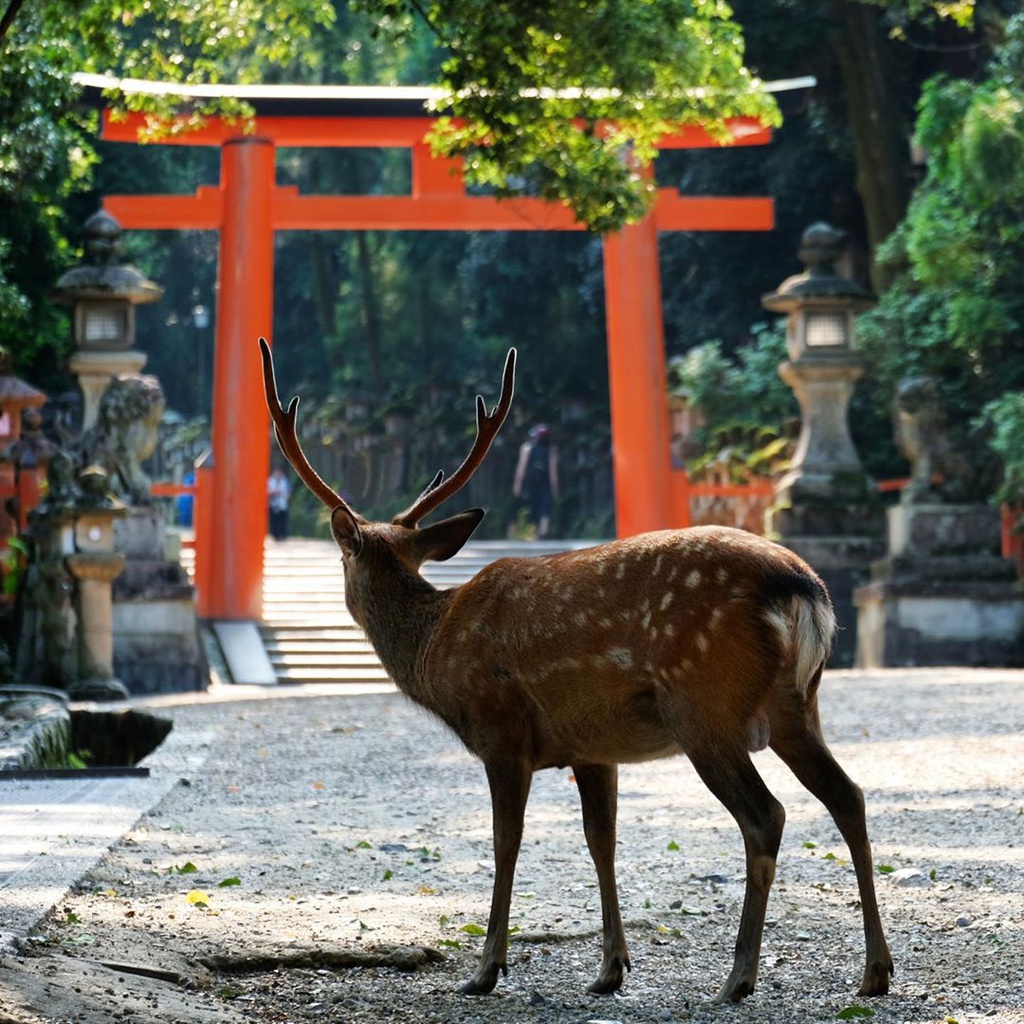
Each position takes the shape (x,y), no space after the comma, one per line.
(599,654)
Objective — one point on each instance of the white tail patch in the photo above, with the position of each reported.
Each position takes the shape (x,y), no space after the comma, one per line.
(805,630)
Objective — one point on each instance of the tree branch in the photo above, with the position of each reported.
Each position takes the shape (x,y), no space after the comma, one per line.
(10,14)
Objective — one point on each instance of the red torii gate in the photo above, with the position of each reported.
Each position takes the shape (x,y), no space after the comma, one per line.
(248,206)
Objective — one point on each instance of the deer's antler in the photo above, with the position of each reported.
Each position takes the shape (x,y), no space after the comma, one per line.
(288,439)
(439,489)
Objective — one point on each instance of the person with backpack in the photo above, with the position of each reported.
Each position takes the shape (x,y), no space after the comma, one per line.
(536,478)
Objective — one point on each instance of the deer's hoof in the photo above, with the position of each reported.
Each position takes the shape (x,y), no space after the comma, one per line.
(610,978)
(735,989)
(484,980)
(876,978)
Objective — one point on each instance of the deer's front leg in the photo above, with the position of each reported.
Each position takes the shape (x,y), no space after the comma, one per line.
(510,786)
(598,786)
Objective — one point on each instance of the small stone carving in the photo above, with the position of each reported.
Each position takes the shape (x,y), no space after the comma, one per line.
(63,488)
(125,434)
(937,467)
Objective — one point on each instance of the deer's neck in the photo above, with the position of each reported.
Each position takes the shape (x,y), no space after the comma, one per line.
(399,621)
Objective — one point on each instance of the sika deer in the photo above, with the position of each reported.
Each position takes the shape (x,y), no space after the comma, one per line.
(709,642)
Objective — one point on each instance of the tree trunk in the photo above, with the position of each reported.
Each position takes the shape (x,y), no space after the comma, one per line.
(369,311)
(879,137)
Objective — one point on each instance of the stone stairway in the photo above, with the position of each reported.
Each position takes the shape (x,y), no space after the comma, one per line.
(307,630)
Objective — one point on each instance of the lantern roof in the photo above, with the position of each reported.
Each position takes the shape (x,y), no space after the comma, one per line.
(821,245)
(101,275)
(14,392)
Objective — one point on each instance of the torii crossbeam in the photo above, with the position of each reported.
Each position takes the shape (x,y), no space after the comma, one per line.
(248,206)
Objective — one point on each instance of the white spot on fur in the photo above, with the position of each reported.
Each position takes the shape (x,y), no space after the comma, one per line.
(646,620)
(666,600)
(620,656)
(670,631)
(581,618)
(653,634)
(620,570)
(702,643)
(716,614)
(722,575)
(693,578)
(657,565)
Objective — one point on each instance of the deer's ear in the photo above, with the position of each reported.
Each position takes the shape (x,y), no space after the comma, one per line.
(346,531)
(439,541)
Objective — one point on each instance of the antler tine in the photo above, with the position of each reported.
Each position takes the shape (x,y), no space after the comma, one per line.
(440,490)
(288,438)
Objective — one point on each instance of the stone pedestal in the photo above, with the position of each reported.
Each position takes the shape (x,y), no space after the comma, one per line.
(157,647)
(825,461)
(94,571)
(943,595)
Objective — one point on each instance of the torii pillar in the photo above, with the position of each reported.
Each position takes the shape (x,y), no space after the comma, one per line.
(248,207)
(240,438)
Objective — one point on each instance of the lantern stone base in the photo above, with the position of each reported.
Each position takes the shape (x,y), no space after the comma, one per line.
(98,688)
(157,645)
(943,596)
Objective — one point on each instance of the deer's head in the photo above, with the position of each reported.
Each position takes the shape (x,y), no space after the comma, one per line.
(402,541)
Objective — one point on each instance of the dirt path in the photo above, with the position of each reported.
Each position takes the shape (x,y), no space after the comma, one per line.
(331,861)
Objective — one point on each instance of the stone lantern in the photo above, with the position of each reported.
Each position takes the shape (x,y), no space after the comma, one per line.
(824,507)
(822,370)
(95,564)
(15,397)
(103,294)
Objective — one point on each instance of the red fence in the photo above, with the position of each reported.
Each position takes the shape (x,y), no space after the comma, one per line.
(740,505)
(1013,538)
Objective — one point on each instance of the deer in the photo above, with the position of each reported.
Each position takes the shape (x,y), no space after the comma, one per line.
(706,641)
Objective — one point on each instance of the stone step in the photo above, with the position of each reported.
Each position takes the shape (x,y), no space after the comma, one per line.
(342,674)
(307,631)
(278,644)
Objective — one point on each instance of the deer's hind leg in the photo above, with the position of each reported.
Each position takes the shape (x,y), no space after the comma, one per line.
(798,740)
(598,786)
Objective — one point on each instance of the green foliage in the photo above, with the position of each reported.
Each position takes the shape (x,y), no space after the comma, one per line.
(12,561)
(854,1012)
(1005,417)
(47,143)
(743,402)
(955,310)
(558,99)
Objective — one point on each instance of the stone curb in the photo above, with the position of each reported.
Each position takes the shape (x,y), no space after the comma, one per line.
(35,727)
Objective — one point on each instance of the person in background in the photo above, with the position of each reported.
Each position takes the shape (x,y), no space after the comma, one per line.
(279,491)
(536,479)
(183,503)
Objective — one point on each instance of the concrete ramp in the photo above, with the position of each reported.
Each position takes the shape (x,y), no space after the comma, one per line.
(244,653)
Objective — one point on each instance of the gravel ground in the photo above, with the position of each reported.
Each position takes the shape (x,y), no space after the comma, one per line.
(331,862)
